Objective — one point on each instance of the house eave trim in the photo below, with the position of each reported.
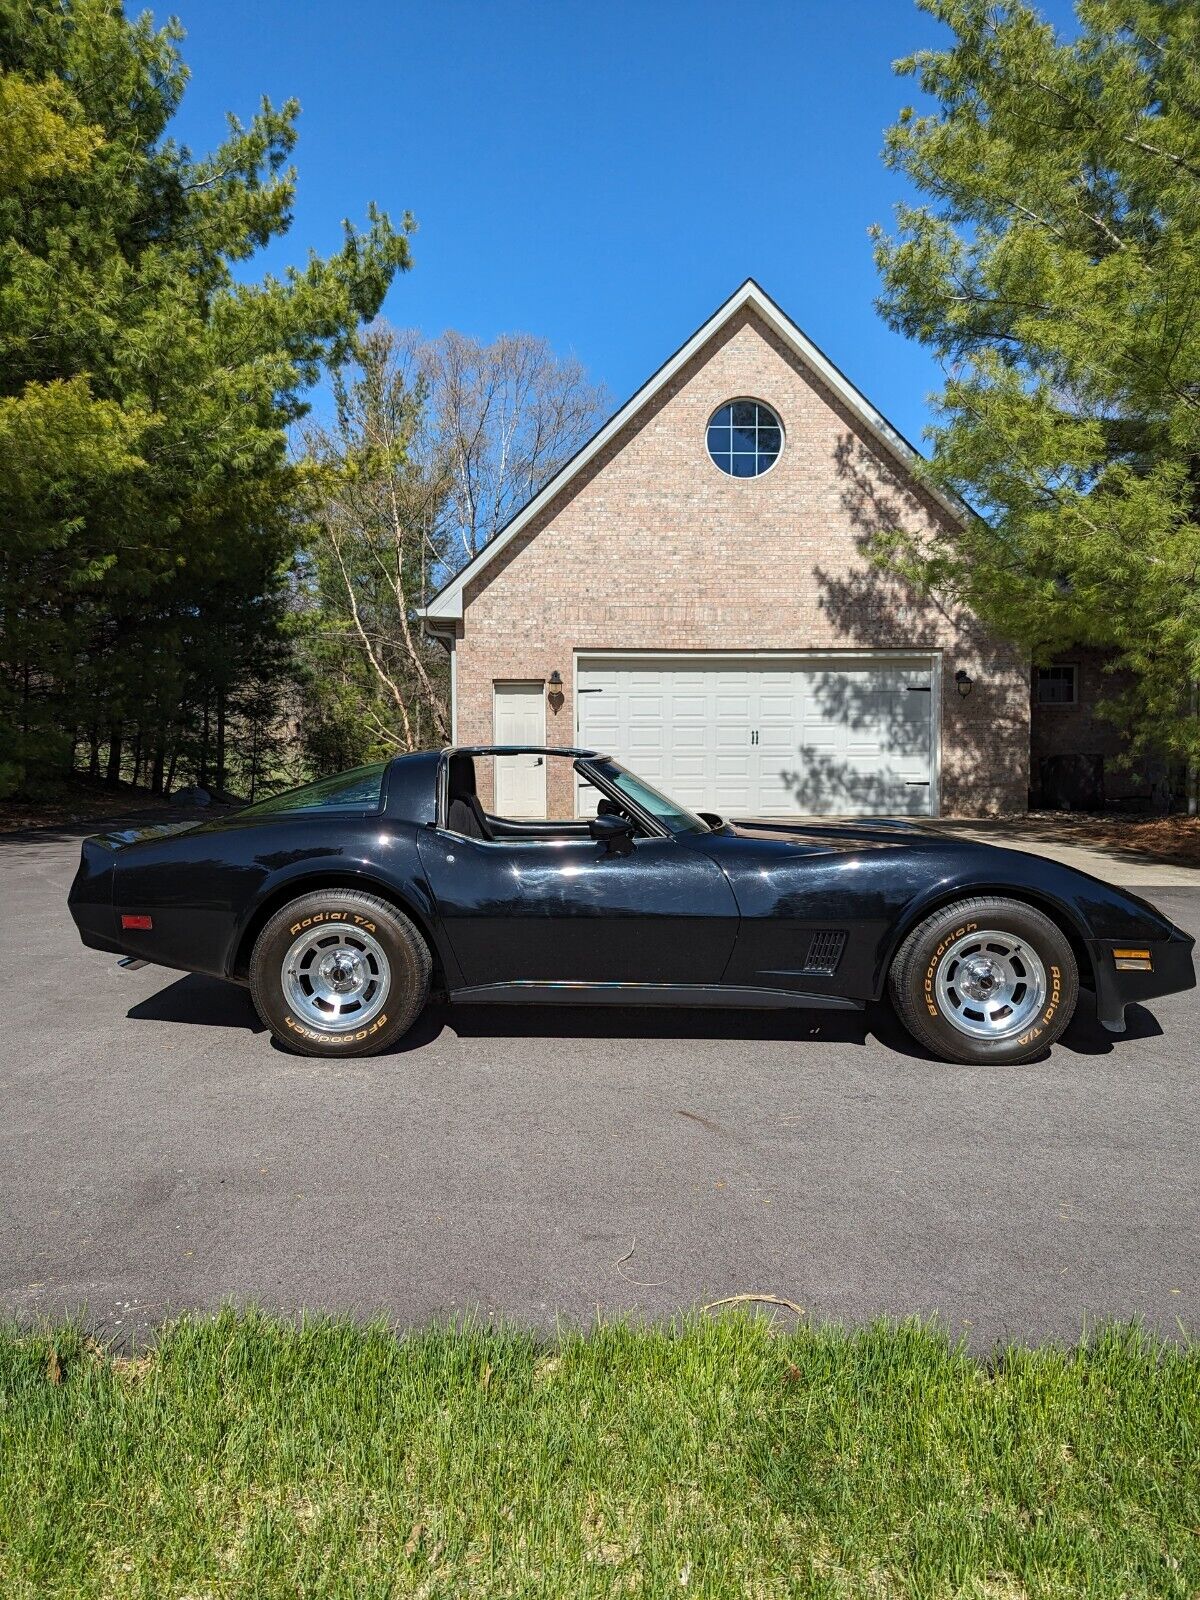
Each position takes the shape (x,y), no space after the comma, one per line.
(448,603)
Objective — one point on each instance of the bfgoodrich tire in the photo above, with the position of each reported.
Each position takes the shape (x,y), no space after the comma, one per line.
(985,980)
(339,973)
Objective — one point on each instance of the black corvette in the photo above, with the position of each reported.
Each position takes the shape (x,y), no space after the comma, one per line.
(343,904)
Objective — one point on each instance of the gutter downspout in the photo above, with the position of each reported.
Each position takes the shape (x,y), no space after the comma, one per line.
(446,634)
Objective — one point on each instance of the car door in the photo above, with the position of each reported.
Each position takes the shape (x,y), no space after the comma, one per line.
(572,910)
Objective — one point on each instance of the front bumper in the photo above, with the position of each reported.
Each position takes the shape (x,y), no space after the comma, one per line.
(1172,971)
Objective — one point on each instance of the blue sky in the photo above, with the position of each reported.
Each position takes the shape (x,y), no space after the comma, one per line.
(602,173)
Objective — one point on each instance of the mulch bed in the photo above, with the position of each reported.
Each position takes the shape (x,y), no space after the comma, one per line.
(1173,839)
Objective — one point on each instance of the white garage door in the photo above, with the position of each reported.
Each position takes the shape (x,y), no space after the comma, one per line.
(768,737)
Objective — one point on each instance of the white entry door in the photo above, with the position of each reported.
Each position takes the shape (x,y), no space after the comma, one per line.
(769,736)
(519,717)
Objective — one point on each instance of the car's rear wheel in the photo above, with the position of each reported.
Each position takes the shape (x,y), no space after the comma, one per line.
(985,980)
(339,973)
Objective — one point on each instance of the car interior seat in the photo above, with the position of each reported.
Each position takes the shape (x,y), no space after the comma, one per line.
(464,813)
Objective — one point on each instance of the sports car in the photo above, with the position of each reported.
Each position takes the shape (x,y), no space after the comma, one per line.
(346,903)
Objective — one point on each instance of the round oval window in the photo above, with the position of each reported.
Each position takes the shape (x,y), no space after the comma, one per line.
(744,438)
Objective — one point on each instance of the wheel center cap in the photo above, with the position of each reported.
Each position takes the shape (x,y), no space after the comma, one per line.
(342,971)
(981,978)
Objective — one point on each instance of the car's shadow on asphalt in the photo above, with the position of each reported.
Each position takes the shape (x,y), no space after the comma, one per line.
(1085,1036)
(206,1002)
(213,1003)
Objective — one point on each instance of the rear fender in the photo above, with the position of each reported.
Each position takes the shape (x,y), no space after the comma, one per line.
(408,893)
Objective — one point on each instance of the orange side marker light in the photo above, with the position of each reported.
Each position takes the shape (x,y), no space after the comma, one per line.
(1132,960)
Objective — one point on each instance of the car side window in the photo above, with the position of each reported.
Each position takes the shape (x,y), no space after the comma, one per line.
(520,797)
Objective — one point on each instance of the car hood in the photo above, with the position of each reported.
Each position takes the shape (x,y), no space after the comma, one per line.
(896,833)
(845,833)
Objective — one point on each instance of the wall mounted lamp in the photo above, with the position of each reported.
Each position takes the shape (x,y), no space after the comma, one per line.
(964,682)
(554,690)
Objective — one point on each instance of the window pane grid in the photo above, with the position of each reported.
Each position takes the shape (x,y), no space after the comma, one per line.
(1056,686)
(744,438)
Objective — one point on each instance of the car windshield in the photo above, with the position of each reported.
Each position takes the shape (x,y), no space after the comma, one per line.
(674,817)
(358,790)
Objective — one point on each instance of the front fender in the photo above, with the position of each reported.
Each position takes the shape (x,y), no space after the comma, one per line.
(1094,915)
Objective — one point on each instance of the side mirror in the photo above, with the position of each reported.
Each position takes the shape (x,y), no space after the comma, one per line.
(615,832)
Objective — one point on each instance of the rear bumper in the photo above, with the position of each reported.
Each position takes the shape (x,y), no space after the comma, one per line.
(90,900)
(1172,972)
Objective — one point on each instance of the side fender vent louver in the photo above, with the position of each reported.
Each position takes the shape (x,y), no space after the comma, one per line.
(825,951)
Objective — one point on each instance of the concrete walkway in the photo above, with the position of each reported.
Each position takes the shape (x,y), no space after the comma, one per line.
(1129,868)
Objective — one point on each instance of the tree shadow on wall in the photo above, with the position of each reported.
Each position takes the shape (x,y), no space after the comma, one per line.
(875,609)
(888,720)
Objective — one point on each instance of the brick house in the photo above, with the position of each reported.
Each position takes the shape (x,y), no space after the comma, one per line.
(1076,757)
(691,593)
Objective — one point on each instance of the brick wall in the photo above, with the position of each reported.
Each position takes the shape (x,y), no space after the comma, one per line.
(1060,734)
(652,547)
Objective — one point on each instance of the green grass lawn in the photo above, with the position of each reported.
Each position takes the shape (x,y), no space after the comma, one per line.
(251,1457)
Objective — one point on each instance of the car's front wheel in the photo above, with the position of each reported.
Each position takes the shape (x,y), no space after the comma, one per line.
(985,980)
(339,973)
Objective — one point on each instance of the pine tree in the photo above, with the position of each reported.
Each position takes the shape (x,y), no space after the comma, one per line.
(146,494)
(1054,270)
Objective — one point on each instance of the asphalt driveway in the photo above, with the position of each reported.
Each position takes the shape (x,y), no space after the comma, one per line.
(158,1152)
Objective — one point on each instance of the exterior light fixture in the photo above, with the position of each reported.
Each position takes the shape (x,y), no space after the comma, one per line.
(554,691)
(964,682)
(556,682)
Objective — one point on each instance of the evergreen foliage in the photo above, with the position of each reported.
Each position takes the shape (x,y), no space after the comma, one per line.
(1054,270)
(146,495)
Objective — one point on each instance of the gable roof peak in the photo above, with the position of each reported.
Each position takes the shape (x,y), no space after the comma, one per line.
(447,604)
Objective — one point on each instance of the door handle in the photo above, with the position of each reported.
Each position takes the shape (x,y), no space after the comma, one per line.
(540,761)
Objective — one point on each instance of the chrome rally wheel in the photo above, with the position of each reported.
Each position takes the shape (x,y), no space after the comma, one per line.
(990,985)
(336,976)
(985,980)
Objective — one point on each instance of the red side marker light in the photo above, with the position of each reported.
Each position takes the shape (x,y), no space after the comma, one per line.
(136,922)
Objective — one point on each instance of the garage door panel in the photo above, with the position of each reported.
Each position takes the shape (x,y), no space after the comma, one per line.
(776,710)
(731,800)
(604,713)
(733,708)
(819,736)
(686,768)
(864,745)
